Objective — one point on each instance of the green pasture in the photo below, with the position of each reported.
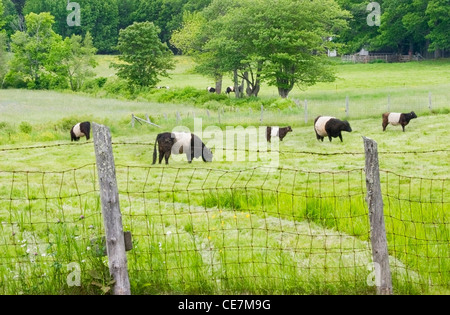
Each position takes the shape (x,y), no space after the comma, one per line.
(239,224)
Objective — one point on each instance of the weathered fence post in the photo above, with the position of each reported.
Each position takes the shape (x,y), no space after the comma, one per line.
(112,218)
(377,228)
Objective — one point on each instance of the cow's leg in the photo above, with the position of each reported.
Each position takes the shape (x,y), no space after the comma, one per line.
(403,127)
(340,137)
(189,156)
(167,156)
(318,137)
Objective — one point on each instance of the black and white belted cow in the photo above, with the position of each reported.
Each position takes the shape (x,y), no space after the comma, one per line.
(331,127)
(396,119)
(82,129)
(178,143)
(277,132)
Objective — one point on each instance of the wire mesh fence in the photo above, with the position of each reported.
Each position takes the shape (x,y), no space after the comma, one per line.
(207,230)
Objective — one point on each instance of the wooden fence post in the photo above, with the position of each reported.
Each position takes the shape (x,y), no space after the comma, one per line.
(112,218)
(377,228)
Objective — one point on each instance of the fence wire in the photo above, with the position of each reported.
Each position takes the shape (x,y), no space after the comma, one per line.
(205,230)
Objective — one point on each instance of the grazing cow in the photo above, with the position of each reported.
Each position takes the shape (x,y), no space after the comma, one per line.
(80,130)
(178,143)
(326,126)
(211,89)
(277,132)
(396,119)
(231,89)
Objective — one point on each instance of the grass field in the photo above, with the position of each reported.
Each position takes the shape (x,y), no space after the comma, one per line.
(230,226)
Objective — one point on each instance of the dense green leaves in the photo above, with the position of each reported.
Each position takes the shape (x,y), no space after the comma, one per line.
(42,59)
(31,49)
(407,26)
(73,58)
(144,58)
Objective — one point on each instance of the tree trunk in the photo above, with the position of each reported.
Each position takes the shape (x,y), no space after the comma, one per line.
(236,84)
(283,92)
(219,84)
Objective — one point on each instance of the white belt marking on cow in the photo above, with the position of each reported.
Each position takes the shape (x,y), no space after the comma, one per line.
(320,125)
(77,132)
(394,118)
(274,131)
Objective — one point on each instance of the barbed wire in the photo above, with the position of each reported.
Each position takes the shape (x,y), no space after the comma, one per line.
(151,144)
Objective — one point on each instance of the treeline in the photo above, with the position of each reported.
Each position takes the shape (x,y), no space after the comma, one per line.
(102,18)
(419,26)
(407,26)
(283,43)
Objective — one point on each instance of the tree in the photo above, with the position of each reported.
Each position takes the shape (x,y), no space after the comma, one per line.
(3,52)
(32,47)
(202,37)
(98,17)
(191,41)
(292,38)
(57,8)
(73,59)
(143,56)
(2,11)
(282,42)
(438,14)
(20,22)
(359,34)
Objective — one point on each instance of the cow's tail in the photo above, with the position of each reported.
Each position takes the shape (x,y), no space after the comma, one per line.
(154,151)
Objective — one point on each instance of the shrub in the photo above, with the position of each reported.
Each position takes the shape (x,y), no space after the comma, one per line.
(94,84)
(67,123)
(282,103)
(25,127)
(377,61)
